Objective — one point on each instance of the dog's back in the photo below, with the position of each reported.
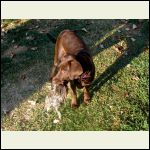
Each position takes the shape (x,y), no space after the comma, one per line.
(68,43)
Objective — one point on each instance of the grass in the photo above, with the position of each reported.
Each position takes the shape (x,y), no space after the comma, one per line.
(120,91)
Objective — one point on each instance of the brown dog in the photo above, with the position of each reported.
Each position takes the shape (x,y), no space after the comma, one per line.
(72,63)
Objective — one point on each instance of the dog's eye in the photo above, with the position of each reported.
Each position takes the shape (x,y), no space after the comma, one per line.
(64,70)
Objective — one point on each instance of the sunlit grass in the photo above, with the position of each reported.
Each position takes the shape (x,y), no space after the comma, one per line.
(8,24)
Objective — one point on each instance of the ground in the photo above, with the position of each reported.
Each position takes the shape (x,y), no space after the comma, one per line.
(120,91)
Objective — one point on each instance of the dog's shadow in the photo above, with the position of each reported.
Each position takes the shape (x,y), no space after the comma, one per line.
(125,58)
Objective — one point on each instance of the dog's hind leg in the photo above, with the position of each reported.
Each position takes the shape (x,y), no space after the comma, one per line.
(74,94)
(53,72)
(86,95)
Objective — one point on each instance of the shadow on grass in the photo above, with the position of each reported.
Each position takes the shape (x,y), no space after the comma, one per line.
(27,71)
(134,50)
(120,63)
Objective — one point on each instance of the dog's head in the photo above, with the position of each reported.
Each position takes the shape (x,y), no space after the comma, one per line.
(68,69)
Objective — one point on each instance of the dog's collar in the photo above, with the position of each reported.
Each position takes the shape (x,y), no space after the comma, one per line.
(83,52)
(85,75)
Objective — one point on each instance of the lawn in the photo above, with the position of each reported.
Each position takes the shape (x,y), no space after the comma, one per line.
(120,91)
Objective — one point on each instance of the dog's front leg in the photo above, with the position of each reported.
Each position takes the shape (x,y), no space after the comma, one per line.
(74,94)
(86,95)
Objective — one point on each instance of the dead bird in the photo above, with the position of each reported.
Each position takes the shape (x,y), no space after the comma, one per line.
(54,100)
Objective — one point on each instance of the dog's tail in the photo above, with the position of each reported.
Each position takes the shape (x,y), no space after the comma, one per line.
(80,30)
(53,39)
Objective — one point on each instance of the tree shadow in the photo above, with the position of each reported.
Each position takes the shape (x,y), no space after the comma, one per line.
(120,63)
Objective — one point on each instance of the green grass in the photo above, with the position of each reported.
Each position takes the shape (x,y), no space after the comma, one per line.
(120,91)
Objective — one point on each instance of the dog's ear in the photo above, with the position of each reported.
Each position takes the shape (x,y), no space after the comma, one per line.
(71,67)
(75,69)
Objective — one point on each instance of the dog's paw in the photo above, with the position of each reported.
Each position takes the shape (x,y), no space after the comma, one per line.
(86,101)
(74,105)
